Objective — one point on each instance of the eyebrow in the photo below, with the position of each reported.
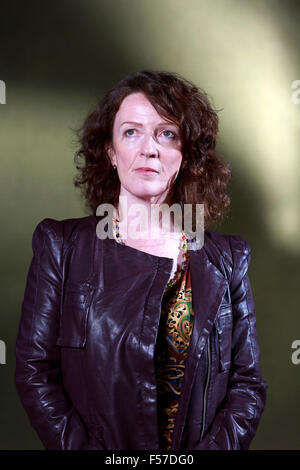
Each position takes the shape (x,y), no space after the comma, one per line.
(164,123)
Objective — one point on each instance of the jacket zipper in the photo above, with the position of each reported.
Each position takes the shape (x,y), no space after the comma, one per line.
(206,389)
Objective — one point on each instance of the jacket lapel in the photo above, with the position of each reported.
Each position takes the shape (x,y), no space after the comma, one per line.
(209,285)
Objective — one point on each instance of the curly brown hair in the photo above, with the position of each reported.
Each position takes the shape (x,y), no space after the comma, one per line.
(203,177)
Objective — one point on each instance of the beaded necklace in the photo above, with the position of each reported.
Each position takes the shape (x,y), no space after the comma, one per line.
(178,273)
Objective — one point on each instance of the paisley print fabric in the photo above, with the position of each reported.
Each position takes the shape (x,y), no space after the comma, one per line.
(175,330)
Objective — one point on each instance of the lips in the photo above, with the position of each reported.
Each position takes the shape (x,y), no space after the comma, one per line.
(146,169)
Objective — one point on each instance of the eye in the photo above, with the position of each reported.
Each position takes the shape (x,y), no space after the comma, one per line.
(169,134)
(129,132)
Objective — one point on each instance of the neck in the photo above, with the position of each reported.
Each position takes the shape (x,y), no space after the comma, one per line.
(148,218)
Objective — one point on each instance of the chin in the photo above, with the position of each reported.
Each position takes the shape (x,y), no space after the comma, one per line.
(145,192)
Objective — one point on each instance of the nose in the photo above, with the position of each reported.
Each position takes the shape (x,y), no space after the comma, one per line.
(149,146)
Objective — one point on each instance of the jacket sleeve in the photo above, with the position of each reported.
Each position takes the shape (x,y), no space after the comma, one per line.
(236,422)
(38,375)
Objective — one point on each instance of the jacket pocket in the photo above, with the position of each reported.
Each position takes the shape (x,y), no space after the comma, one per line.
(74,317)
(224,336)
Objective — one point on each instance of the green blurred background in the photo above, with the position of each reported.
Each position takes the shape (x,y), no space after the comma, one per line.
(59,57)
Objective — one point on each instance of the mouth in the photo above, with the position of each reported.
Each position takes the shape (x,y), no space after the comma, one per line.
(145,169)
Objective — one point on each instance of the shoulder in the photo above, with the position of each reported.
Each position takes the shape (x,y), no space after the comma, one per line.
(63,231)
(226,243)
(234,250)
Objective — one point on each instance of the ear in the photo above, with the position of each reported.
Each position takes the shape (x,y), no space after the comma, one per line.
(111,155)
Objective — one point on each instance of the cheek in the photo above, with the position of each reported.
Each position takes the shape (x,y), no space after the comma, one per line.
(173,163)
(124,156)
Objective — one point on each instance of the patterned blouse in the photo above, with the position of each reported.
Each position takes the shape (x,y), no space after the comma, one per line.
(175,330)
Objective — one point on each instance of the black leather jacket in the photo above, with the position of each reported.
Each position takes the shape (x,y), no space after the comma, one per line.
(84,352)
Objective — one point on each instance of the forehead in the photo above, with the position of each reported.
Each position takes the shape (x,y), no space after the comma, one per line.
(137,107)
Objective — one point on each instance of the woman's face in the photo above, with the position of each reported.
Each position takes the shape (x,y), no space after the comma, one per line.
(143,139)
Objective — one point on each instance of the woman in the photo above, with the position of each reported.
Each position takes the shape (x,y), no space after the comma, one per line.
(136,340)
